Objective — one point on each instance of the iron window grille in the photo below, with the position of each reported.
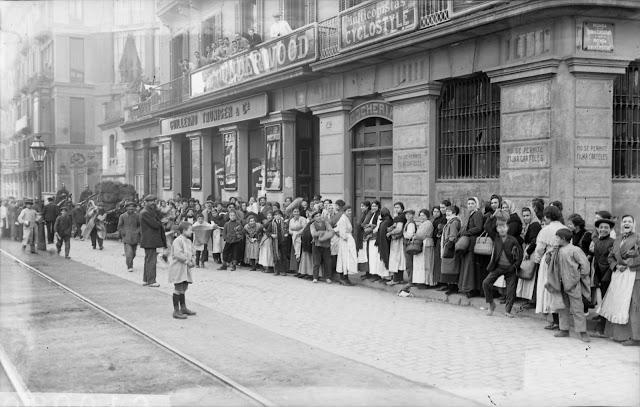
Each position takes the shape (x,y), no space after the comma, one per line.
(468,140)
(626,124)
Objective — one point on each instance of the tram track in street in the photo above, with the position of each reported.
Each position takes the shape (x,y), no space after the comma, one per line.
(24,394)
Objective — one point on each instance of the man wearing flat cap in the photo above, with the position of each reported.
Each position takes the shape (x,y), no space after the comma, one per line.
(129,229)
(152,237)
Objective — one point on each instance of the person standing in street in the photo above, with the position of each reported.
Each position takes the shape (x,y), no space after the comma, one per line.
(152,237)
(62,229)
(78,216)
(27,219)
(180,269)
(51,213)
(129,229)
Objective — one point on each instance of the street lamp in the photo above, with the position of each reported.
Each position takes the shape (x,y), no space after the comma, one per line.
(38,152)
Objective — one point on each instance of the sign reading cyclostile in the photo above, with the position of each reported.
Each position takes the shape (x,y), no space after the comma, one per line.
(376,20)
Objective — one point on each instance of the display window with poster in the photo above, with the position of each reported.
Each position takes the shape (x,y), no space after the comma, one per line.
(273,164)
(230,160)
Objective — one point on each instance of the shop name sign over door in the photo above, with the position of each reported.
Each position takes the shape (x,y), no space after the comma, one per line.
(239,110)
(373,21)
(291,50)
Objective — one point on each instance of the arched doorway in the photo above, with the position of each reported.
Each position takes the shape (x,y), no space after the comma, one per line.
(373,162)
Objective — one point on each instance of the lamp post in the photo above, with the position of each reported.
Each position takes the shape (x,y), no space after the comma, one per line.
(38,152)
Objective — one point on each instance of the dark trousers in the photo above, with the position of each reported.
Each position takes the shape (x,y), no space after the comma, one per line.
(78,232)
(130,254)
(94,238)
(232,252)
(202,256)
(321,255)
(67,244)
(150,260)
(50,232)
(512,283)
(408,259)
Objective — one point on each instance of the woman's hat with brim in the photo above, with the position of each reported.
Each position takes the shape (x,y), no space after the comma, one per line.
(607,221)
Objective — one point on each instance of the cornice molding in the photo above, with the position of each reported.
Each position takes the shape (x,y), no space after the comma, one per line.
(519,72)
(332,107)
(407,94)
(600,67)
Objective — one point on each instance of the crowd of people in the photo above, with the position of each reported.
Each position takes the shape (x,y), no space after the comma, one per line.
(559,267)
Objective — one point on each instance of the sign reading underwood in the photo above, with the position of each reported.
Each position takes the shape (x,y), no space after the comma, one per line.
(239,110)
(376,20)
(291,50)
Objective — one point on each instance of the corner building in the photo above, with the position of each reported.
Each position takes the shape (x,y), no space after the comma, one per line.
(416,101)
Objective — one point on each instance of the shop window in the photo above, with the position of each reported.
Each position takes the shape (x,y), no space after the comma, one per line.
(469,129)
(626,124)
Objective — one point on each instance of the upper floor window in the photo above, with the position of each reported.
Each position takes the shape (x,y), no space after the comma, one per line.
(46,60)
(76,121)
(112,146)
(76,60)
(75,10)
(469,129)
(626,123)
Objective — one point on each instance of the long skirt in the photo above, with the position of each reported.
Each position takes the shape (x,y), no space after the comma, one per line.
(525,288)
(480,264)
(306,263)
(449,270)
(383,271)
(347,262)
(216,242)
(467,277)
(265,258)
(282,265)
(251,250)
(397,259)
(436,261)
(374,258)
(545,301)
(293,262)
(28,235)
(363,259)
(630,330)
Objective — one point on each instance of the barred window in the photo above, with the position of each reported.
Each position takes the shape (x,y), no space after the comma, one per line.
(469,129)
(626,124)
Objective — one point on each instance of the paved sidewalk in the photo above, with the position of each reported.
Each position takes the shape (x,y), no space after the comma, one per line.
(493,360)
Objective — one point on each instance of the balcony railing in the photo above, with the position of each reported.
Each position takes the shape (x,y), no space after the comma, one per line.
(161,97)
(430,13)
(434,12)
(328,33)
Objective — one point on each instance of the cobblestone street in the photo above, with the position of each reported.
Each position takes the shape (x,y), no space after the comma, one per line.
(493,360)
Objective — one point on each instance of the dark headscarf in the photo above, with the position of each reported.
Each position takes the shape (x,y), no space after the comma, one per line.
(382,241)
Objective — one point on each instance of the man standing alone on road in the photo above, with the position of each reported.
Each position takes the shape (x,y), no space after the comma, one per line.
(51,213)
(62,229)
(152,237)
(129,229)
(27,219)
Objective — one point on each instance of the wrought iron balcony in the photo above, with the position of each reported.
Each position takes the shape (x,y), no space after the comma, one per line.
(161,97)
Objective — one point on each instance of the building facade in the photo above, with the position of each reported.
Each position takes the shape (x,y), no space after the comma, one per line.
(413,101)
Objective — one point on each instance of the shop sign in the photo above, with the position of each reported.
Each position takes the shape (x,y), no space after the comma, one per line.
(376,20)
(230,140)
(245,109)
(526,156)
(297,48)
(273,137)
(597,37)
(592,154)
(375,108)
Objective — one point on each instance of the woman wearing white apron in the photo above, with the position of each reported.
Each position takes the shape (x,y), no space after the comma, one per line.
(371,230)
(530,230)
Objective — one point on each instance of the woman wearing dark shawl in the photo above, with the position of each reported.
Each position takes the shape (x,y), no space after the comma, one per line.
(383,242)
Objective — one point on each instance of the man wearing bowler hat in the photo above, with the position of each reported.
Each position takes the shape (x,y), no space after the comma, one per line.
(129,229)
(152,237)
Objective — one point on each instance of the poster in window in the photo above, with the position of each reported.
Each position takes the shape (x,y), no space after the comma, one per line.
(273,135)
(166,166)
(230,161)
(196,168)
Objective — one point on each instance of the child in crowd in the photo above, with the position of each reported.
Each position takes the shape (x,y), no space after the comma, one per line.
(180,269)
(505,261)
(62,228)
(601,249)
(233,233)
(201,235)
(570,278)
(253,232)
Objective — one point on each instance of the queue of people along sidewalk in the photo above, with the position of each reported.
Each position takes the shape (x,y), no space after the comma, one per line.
(560,267)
